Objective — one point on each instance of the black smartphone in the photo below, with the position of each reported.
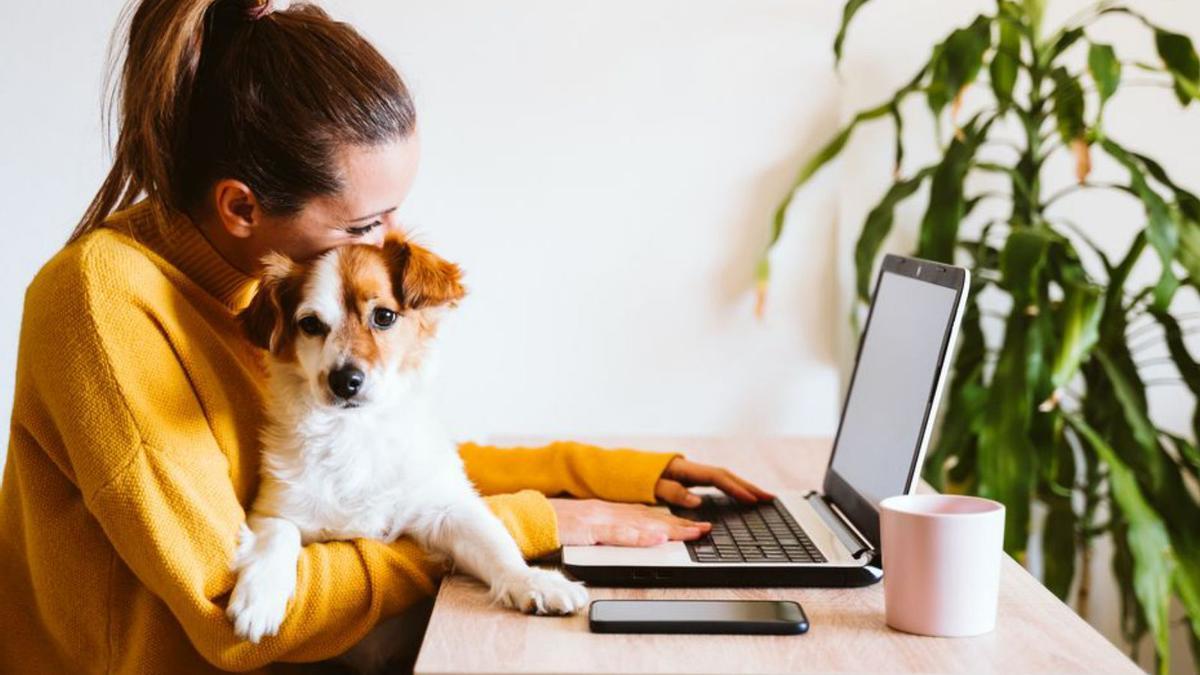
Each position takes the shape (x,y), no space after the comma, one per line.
(754,617)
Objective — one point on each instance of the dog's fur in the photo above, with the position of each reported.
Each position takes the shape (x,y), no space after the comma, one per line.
(375,464)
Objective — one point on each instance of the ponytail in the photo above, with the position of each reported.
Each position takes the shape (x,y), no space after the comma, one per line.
(212,89)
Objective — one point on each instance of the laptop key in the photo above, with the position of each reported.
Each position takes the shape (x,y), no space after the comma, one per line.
(757,533)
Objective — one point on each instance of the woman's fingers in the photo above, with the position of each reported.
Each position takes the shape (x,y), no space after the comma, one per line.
(675,493)
(621,534)
(750,487)
(648,527)
(633,534)
(646,516)
(737,486)
(732,486)
(687,472)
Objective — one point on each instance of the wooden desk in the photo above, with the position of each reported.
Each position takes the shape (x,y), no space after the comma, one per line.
(1035,632)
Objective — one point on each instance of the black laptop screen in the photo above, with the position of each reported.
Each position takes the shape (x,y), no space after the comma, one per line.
(883,422)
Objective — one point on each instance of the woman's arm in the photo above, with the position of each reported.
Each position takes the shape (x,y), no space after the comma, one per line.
(172,519)
(129,431)
(566,467)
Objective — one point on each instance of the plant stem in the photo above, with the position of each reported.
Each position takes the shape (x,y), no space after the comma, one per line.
(1075,187)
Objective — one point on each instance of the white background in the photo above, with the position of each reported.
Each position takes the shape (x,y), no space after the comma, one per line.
(605,173)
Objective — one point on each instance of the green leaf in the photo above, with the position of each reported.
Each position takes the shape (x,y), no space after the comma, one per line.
(1189,249)
(1058,547)
(1188,453)
(1187,575)
(1007,459)
(1105,70)
(1187,203)
(848,12)
(1117,276)
(1161,230)
(1144,458)
(827,153)
(1133,616)
(898,123)
(1003,68)
(877,226)
(1063,42)
(967,397)
(1189,371)
(1068,105)
(1035,10)
(939,227)
(956,62)
(1079,325)
(1179,56)
(1021,265)
(1153,558)
(1183,214)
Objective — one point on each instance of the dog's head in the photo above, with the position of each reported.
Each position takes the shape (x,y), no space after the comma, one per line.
(344,321)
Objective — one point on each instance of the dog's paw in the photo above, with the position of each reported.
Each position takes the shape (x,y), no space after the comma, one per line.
(259,600)
(539,591)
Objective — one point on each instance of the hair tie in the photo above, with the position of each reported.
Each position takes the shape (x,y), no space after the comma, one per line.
(265,7)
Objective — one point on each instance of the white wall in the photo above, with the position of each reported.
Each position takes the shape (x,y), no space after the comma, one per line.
(605,173)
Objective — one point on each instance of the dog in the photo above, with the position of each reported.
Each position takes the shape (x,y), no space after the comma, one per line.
(351,446)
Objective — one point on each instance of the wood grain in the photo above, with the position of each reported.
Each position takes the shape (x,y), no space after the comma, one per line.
(1035,632)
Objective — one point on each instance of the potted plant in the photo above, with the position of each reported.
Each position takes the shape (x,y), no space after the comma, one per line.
(1050,406)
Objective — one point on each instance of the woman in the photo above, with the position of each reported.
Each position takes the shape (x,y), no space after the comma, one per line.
(132,454)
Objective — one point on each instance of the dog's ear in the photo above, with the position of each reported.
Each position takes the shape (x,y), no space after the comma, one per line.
(420,278)
(263,320)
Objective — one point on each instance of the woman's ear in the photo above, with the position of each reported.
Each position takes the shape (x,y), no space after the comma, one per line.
(236,207)
(264,320)
(421,278)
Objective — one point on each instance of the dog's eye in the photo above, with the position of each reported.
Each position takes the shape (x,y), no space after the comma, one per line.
(383,317)
(311,325)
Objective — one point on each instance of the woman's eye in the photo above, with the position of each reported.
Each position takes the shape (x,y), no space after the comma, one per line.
(311,325)
(360,230)
(383,317)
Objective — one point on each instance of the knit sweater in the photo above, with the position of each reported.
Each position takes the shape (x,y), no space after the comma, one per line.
(133,458)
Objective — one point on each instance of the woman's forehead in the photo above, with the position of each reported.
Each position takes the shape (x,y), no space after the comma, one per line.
(375,178)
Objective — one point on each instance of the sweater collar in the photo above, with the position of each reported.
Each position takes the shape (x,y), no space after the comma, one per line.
(178,240)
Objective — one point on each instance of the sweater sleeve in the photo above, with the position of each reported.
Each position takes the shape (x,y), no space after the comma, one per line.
(566,467)
(129,431)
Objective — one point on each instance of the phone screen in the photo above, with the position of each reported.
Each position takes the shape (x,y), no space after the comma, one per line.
(734,611)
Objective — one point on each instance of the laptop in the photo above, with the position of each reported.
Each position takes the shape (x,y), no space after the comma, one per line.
(828,537)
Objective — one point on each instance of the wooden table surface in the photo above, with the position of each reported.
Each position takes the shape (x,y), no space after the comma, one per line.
(1035,632)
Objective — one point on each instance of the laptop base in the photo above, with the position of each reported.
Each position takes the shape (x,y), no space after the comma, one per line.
(732,576)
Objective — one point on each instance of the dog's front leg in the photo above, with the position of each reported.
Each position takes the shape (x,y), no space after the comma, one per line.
(265,562)
(480,546)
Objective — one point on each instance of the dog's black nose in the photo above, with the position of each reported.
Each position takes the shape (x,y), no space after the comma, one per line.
(346,381)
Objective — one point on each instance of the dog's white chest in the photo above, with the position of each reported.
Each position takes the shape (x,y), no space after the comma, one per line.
(363,478)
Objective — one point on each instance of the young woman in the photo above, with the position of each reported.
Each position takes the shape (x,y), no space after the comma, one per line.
(244,129)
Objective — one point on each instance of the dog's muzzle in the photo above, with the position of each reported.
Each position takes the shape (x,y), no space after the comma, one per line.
(345,382)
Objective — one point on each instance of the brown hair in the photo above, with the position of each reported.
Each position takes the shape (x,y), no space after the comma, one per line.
(213,89)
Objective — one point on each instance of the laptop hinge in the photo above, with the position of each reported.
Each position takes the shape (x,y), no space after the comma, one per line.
(836,522)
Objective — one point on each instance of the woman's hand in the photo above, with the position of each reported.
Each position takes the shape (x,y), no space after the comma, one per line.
(586,522)
(672,487)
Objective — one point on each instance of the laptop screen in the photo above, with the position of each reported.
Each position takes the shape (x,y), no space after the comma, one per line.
(891,392)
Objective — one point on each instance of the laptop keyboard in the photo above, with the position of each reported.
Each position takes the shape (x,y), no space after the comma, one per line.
(761,532)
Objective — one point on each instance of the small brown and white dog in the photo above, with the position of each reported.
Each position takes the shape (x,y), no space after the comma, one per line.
(352,447)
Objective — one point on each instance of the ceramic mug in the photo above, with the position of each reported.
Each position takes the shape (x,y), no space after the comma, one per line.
(941,563)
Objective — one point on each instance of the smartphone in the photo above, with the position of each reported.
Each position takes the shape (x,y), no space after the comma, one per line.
(754,617)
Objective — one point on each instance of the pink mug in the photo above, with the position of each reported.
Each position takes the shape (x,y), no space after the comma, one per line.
(941,563)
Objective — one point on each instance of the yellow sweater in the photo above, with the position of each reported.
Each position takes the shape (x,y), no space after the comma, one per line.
(132,458)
